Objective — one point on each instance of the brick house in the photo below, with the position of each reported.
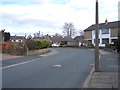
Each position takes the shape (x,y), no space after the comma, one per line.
(108,33)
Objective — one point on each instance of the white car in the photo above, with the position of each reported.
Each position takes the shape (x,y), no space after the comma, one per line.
(55,45)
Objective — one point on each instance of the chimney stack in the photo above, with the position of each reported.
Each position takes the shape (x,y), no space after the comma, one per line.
(106,22)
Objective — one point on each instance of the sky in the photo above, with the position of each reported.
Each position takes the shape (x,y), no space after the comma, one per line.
(48,16)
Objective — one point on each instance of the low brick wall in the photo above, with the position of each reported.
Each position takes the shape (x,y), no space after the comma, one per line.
(36,52)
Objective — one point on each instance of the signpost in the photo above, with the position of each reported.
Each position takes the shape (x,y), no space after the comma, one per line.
(97,40)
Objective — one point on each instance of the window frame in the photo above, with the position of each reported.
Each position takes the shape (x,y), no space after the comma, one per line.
(105,31)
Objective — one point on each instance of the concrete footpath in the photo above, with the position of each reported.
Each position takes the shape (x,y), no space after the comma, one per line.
(108,75)
(5,56)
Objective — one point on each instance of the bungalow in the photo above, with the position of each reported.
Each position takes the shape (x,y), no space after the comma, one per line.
(17,38)
(108,33)
(69,41)
(56,40)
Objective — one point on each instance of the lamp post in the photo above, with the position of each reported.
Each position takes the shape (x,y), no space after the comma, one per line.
(96,39)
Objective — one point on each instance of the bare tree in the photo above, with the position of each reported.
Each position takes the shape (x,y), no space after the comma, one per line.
(69,29)
(81,33)
(57,34)
(38,35)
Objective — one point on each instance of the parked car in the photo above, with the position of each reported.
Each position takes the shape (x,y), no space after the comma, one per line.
(55,45)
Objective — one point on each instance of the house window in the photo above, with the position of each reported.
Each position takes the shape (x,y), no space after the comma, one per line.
(20,40)
(105,31)
(14,40)
(105,40)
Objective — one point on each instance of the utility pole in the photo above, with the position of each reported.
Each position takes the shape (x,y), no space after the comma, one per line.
(97,40)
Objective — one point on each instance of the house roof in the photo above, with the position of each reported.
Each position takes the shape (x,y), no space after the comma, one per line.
(56,38)
(115,24)
(60,38)
(67,39)
(79,38)
(17,37)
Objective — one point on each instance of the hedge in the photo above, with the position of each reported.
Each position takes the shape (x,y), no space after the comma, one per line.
(36,44)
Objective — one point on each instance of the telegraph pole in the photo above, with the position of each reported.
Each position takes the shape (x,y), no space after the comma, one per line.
(97,40)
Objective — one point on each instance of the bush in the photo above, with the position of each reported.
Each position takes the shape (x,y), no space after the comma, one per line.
(36,44)
(42,43)
(17,50)
(31,44)
(6,46)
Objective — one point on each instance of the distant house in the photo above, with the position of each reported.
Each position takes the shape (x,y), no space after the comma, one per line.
(69,41)
(80,40)
(108,33)
(17,38)
(56,40)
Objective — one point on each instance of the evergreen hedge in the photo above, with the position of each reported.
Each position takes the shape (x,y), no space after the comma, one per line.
(36,44)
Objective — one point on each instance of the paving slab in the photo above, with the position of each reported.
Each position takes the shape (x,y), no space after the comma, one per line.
(100,85)
(104,80)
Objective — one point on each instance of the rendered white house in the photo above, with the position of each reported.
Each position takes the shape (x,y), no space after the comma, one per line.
(108,33)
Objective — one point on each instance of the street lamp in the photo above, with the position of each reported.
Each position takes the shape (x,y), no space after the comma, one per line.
(96,39)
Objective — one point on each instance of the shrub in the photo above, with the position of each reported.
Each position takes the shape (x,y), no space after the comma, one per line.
(17,50)
(31,44)
(36,44)
(6,46)
(42,43)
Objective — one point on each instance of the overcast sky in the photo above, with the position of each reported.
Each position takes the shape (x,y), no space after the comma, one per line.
(49,16)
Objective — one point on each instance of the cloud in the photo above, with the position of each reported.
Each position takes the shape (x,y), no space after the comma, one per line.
(50,15)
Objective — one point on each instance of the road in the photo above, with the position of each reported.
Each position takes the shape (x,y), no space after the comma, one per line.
(67,69)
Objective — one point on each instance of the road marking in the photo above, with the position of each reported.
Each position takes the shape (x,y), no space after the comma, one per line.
(57,65)
(92,65)
(19,63)
(43,55)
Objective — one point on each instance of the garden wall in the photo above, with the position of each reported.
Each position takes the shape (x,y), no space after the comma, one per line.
(36,52)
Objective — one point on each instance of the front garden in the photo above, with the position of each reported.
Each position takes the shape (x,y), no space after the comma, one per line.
(21,48)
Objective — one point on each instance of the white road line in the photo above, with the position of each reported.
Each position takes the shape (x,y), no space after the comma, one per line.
(58,65)
(25,62)
(19,63)
(99,56)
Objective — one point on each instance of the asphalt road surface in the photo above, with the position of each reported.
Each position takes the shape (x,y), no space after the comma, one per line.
(67,69)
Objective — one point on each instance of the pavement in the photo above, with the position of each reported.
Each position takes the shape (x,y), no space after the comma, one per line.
(5,56)
(108,75)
